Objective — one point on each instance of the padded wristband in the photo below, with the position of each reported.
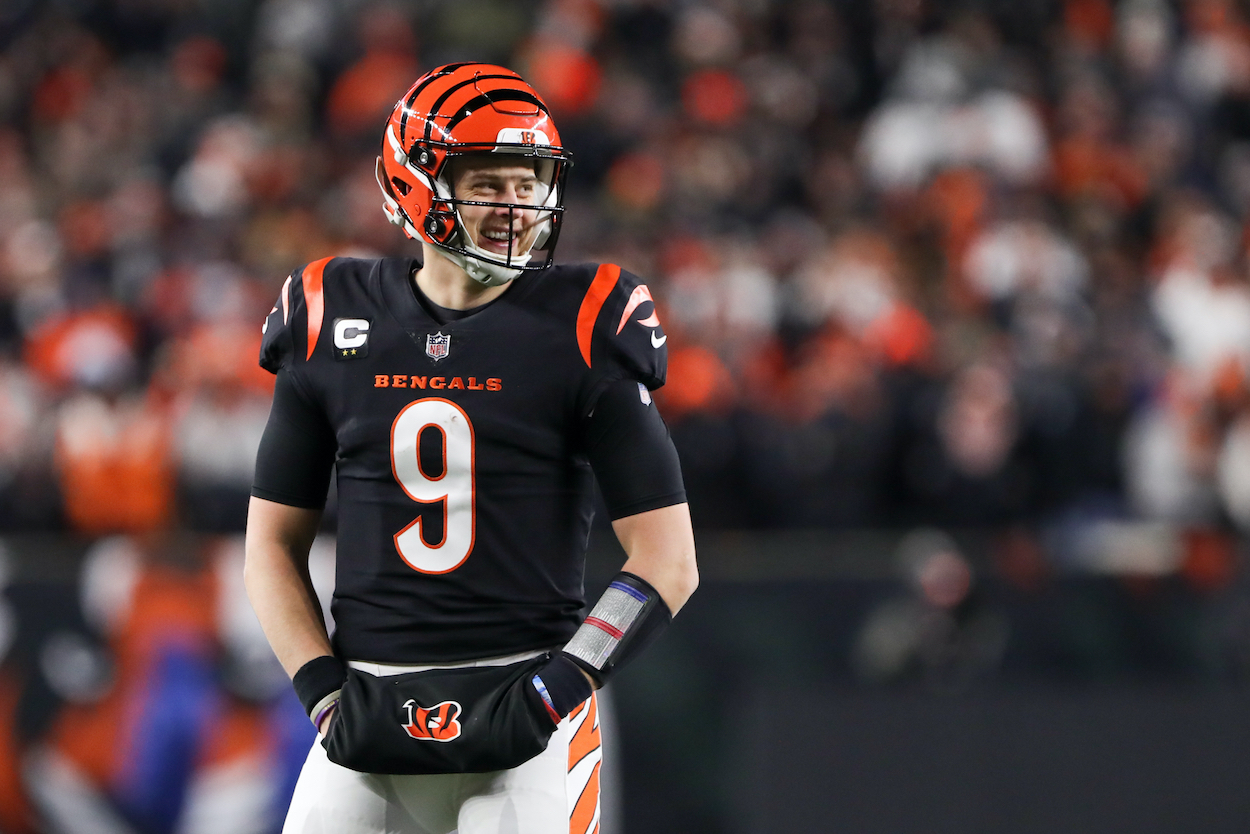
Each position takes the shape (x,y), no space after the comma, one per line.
(318,679)
(627,618)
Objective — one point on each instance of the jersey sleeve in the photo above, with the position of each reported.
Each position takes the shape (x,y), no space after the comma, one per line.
(297,449)
(619,332)
(292,326)
(631,453)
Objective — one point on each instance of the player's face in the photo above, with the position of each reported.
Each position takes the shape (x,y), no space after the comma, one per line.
(497,229)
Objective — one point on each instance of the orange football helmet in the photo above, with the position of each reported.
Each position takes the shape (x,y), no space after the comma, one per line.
(461,109)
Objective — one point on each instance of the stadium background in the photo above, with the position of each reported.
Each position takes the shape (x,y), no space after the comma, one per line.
(959,325)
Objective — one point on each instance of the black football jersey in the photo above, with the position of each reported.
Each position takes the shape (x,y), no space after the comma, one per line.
(465,496)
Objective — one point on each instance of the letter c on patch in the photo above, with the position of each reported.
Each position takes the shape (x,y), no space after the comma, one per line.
(350,333)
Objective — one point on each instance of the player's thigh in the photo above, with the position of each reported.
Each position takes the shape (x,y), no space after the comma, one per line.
(432,801)
(556,791)
(330,799)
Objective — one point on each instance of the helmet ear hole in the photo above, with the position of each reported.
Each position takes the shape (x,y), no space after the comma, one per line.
(544,234)
(400,186)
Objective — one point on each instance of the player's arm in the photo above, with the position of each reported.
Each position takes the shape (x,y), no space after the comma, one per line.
(280,588)
(293,467)
(640,476)
(278,583)
(660,547)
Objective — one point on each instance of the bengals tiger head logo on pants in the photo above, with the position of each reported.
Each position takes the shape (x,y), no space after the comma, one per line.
(436,723)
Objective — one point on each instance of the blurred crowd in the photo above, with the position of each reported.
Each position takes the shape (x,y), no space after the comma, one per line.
(945,263)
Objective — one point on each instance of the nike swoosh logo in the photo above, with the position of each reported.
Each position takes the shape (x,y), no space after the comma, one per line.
(657,342)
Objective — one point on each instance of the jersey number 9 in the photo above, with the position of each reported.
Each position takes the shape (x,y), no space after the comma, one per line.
(453,488)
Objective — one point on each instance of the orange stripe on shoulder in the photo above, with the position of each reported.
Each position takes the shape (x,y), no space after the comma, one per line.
(592,303)
(314,301)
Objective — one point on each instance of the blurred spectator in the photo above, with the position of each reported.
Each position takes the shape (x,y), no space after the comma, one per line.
(947,109)
(214,182)
(115,465)
(219,411)
(941,632)
(1202,299)
(123,749)
(364,93)
(966,465)
(246,773)
(185,722)
(1170,457)
(1025,257)
(28,497)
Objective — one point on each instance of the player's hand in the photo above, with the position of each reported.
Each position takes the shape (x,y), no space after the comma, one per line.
(562,685)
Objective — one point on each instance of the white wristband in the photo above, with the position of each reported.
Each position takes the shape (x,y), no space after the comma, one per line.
(323,705)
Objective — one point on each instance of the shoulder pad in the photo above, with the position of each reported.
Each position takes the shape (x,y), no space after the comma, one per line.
(290,332)
(618,331)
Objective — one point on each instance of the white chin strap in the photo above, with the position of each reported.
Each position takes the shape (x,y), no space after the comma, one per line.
(486,274)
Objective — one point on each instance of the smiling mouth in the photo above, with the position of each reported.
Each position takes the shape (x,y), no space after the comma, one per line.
(499,237)
(499,240)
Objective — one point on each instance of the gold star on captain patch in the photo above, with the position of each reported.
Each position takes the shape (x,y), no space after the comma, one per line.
(353,351)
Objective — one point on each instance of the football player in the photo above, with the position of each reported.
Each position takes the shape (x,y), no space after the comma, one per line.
(467,400)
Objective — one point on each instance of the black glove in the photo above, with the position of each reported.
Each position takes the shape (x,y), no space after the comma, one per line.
(562,686)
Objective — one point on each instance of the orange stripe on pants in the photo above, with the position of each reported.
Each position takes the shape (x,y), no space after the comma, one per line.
(586,740)
(587,805)
(585,743)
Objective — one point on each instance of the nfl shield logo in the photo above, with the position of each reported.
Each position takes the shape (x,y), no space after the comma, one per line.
(437,345)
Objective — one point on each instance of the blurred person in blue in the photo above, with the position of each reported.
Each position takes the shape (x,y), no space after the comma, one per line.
(167,712)
(137,697)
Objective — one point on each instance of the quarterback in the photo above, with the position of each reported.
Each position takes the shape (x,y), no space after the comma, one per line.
(466,401)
